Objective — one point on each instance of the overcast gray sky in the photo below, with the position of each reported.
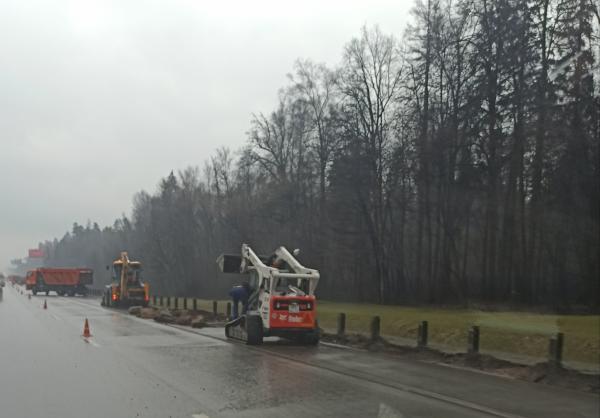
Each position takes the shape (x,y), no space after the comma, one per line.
(99,99)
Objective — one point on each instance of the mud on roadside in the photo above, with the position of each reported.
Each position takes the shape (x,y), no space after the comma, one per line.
(544,372)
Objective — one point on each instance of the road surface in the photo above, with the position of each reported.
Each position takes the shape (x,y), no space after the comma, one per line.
(137,368)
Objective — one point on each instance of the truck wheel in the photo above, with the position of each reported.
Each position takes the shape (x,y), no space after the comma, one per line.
(47,292)
(34,291)
(254,330)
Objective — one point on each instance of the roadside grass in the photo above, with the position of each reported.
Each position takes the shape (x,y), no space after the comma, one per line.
(520,333)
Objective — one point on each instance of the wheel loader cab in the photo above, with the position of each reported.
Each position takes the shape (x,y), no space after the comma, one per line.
(117,269)
(133,273)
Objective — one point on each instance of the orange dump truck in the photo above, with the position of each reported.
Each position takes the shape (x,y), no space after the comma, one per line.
(63,281)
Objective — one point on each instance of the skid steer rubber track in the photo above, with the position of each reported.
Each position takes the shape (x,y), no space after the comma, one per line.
(246,328)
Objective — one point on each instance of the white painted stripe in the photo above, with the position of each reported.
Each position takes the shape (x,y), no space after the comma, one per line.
(200,416)
(92,342)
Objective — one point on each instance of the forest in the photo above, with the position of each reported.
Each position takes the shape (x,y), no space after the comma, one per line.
(455,162)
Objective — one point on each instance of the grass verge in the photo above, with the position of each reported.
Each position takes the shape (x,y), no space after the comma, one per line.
(520,333)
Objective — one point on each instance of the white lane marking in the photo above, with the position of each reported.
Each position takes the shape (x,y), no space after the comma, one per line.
(92,342)
(200,416)
(55,317)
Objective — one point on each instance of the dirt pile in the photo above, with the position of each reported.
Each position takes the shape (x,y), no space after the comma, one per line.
(195,319)
(165,316)
(135,310)
(148,313)
(198,322)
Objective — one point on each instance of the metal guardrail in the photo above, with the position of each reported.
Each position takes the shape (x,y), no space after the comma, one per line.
(179,302)
(555,342)
(95,292)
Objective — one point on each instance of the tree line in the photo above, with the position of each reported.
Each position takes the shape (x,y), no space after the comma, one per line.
(458,163)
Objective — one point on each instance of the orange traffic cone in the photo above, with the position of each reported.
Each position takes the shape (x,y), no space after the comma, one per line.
(45,304)
(86,329)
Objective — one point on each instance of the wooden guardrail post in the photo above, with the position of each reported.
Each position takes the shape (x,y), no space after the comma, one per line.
(176,302)
(341,324)
(168,301)
(228,310)
(215,307)
(154,300)
(473,345)
(375,328)
(555,349)
(185,303)
(195,304)
(422,337)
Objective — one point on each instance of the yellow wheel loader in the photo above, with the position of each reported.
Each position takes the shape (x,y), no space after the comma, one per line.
(127,287)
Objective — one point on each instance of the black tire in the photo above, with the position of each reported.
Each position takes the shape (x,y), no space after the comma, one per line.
(60,293)
(47,292)
(254,330)
(310,337)
(34,291)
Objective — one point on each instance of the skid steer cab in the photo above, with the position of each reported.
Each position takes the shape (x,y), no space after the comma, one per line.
(282,301)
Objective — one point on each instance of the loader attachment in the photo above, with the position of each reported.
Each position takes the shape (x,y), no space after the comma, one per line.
(229,263)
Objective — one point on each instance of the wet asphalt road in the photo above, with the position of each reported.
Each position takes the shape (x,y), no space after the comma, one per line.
(137,368)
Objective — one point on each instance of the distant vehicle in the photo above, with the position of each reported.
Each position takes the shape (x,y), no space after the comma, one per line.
(63,281)
(127,288)
(15,279)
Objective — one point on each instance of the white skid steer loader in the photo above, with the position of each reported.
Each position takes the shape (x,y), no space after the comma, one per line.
(282,302)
